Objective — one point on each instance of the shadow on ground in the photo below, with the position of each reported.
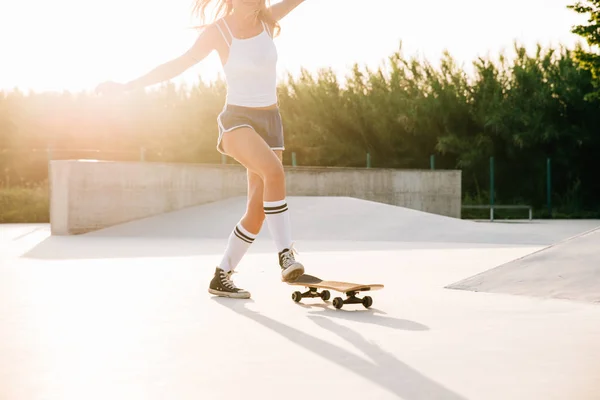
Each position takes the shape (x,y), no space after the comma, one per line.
(384,370)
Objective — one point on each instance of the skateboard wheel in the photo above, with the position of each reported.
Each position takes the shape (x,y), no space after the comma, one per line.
(367,301)
(297,296)
(325,295)
(338,302)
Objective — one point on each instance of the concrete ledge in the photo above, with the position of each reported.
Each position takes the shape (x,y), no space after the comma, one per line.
(91,195)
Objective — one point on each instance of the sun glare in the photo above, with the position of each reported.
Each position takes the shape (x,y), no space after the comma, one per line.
(67,44)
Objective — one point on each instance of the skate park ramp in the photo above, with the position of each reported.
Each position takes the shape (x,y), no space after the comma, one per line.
(341,219)
(318,224)
(567,270)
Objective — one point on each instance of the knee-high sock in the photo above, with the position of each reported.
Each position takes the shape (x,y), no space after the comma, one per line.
(239,242)
(278,221)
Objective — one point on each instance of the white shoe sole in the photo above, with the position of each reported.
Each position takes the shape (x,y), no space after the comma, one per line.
(244,295)
(292,273)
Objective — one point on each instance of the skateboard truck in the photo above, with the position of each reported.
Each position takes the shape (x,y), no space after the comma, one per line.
(351,298)
(338,302)
(311,293)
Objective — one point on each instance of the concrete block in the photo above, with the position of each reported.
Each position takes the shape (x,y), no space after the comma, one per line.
(91,195)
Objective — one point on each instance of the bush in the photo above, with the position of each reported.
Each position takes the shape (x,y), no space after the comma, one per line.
(25,204)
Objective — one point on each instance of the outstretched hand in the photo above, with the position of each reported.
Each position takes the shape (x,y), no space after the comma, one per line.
(110,87)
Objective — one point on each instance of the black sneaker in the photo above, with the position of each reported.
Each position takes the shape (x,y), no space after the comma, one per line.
(222,285)
(290,268)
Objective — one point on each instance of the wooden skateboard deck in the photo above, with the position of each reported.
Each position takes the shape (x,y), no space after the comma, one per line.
(350,289)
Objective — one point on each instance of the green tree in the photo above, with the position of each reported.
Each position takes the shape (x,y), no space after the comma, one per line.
(591,33)
(520,109)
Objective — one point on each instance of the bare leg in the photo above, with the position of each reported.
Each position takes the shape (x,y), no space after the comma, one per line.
(250,150)
(254,217)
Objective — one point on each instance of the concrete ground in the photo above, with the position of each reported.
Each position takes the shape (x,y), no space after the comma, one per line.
(124,313)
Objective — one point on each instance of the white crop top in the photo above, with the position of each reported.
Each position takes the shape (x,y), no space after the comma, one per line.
(250,70)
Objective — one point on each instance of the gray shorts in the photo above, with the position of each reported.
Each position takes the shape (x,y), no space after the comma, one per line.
(267,123)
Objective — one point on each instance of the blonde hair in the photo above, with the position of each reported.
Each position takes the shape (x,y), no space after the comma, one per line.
(224,8)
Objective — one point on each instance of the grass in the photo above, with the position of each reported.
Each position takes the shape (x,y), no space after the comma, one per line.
(25,204)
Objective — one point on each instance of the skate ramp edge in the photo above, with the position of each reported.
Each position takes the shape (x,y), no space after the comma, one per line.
(87,195)
(568,270)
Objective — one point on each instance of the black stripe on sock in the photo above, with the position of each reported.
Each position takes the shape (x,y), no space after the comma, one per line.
(284,205)
(276,212)
(245,237)
(242,238)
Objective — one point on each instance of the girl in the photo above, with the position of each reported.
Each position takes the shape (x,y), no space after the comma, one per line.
(250,126)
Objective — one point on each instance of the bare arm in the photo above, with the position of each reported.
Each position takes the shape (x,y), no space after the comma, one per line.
(283,8)
(203,46)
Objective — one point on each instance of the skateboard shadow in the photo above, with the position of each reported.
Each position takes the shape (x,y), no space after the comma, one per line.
(369,316)
(385,370)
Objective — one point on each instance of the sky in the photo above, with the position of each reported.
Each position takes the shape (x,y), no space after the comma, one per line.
(74,45)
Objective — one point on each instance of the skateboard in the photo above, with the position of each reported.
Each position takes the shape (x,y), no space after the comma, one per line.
(350,289)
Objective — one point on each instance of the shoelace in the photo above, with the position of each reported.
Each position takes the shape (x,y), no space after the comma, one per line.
(226,280)
(288,257)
